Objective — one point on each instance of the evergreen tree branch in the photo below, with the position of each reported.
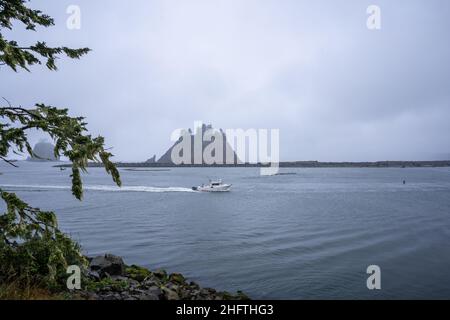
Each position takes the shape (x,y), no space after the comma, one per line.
(31,245)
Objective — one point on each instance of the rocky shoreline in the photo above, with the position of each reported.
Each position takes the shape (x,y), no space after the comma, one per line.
(109,278)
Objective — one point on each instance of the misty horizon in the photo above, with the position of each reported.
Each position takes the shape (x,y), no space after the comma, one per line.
(335,90)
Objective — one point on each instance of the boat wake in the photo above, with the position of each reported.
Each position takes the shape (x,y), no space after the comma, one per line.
(97,188)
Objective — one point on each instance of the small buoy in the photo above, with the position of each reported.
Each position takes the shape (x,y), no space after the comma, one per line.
(404,181)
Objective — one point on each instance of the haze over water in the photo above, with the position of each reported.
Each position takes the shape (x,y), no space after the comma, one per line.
(309,234)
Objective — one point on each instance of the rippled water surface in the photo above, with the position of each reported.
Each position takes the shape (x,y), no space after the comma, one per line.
(309,234)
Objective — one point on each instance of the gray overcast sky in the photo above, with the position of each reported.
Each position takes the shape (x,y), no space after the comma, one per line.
(336,90)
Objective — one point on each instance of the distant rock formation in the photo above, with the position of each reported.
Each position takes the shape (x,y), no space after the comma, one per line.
(151,160)
(228,152)
(43,151)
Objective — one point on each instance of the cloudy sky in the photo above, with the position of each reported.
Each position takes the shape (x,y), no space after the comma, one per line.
(336,90)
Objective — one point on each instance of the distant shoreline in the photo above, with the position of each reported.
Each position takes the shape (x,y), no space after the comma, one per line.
(293,164)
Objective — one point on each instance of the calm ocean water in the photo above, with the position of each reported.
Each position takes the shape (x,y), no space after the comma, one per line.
(307,235)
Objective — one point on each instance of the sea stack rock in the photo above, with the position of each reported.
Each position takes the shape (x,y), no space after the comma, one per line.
(151,160)
(199,133)
(43,151)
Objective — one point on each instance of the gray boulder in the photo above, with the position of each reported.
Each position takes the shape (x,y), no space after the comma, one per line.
(155,291)
(108,265)
(170,294)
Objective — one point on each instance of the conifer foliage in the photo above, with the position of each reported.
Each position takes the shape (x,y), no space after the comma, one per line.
(32,248)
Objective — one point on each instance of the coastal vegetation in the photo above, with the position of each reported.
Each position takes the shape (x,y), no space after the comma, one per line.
(34,253)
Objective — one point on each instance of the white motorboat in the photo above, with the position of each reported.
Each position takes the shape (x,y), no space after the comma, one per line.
(213,186)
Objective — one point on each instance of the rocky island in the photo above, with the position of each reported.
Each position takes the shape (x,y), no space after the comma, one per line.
(43,151)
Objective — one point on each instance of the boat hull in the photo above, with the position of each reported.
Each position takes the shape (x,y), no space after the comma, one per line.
(222,188)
